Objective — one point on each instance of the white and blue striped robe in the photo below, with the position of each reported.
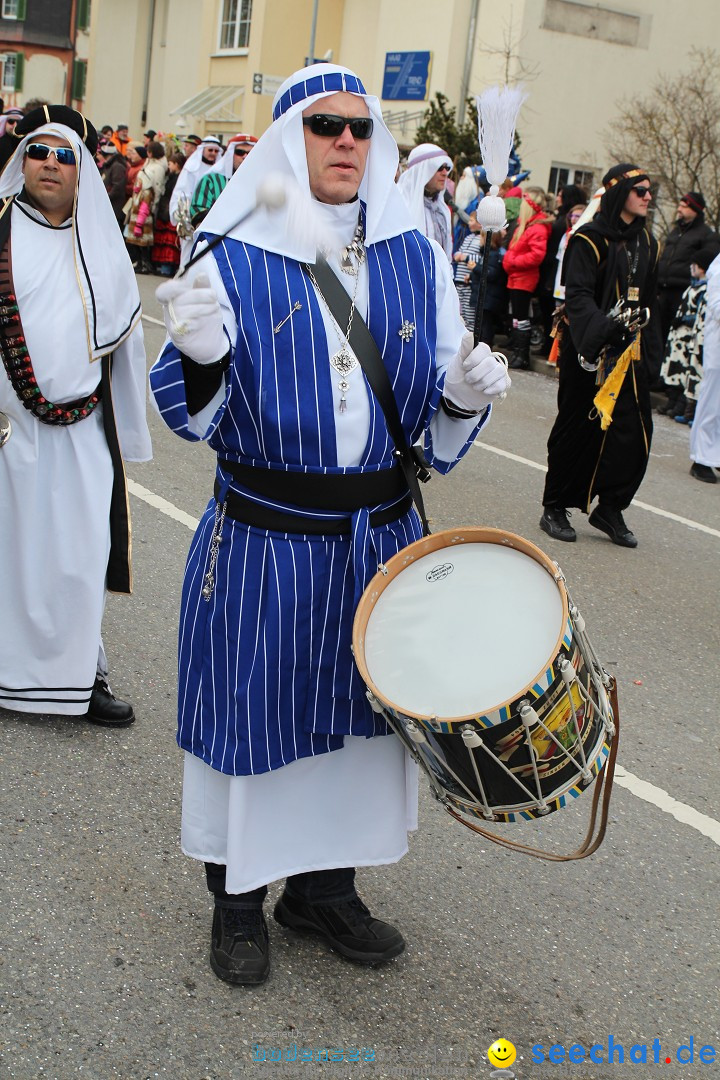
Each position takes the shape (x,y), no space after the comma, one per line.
(266,674)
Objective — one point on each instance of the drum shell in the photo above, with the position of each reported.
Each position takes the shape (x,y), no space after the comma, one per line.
(448,760)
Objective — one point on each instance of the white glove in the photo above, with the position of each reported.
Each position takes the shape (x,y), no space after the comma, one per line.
(475,378)
(193,318)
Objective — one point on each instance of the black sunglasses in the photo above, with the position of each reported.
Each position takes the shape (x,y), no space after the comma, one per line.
(642,192)
(38,151)
(240,153)
(330,126)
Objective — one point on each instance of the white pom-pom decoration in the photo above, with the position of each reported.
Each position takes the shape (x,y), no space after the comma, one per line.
(271,192)
(491,211)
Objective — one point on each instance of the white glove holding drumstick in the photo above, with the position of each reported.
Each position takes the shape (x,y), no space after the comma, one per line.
(476,377)
(193,318)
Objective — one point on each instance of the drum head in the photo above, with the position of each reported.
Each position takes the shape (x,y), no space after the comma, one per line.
(463,623)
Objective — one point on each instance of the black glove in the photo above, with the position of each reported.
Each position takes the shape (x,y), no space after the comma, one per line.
(619,336)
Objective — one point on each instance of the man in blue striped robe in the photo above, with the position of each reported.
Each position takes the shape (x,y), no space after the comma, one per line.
(288,771)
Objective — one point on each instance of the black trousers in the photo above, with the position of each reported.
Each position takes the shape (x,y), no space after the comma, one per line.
(316,887)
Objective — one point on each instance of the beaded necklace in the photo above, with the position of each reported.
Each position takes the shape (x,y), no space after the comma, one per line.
(18,364)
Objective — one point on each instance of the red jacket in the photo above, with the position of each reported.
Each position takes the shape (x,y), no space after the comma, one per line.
(522,259)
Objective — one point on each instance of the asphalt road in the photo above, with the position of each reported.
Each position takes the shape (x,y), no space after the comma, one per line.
(105,924)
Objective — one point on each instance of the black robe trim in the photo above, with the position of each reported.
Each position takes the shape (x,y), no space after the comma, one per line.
(119,571)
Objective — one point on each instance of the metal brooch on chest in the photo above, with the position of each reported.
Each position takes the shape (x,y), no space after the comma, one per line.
(407,330)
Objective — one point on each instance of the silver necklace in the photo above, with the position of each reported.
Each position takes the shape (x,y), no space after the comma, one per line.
(356,247)
(343,361)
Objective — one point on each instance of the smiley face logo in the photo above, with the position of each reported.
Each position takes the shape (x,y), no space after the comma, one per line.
(501,1054)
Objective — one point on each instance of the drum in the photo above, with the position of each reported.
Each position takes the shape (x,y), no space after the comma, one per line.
(470,646)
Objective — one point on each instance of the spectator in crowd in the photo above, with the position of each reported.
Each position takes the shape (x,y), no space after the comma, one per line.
(685,239)
(149,137)
(113,170)
(422,185)
(149,185)
(568,196)
(136,157)
(466,260)
(521,263)
(682,367)
(121,138)
(166,249)
(705,433)
(190,145)
(495,302)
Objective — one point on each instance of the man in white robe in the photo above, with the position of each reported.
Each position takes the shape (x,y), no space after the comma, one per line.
(283,775)
(705,432)
(202,161)
(72,401)
(422,186)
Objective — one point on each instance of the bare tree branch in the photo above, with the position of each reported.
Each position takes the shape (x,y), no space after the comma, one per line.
(674,132)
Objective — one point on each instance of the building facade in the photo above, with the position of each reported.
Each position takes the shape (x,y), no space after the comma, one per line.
(44,47)
(211,66)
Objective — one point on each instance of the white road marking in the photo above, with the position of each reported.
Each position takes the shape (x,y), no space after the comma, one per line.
(655,795)
(162,505)
(688,522)
(686,815)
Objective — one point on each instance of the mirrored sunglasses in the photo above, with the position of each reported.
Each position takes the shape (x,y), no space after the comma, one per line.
(330,126)
(38,151)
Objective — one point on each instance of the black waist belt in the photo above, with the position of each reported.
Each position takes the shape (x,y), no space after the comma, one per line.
(320,491)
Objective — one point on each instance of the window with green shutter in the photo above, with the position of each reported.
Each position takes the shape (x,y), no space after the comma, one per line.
(82,20)
(79,79)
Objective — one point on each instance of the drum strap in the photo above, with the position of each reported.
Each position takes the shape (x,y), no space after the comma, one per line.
(365,348)
(592,841)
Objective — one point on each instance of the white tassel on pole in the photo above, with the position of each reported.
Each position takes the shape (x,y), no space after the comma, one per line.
(498,108)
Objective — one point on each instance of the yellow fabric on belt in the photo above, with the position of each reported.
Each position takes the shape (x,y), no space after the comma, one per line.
(609,392)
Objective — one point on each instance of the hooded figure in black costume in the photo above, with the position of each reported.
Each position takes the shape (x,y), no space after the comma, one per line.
(611,257)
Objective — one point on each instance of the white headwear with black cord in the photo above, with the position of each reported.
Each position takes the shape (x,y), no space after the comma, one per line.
(281,152)
(104,272)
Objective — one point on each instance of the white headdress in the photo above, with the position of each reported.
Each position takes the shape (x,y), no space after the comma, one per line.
(422,164)
(104,271)
(281,151)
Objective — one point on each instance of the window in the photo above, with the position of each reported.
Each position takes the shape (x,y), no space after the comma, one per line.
(561,175)
(13,9)
(235,24)
(11,74)
(79,79)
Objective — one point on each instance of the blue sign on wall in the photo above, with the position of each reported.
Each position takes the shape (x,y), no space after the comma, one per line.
(407,76)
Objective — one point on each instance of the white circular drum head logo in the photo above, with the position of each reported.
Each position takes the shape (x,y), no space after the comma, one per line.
(440,572)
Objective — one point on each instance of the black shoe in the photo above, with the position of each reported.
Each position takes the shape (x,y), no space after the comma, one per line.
(612,523)
(105,708)
(240,948)
(348,927)
(703,472)
(555,522)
